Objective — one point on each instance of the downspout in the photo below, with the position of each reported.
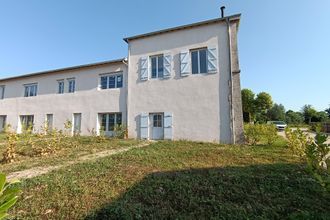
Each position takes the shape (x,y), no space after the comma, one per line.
(231,84)
(127,64)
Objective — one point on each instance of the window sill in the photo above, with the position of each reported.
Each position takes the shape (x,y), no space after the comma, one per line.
(99,89)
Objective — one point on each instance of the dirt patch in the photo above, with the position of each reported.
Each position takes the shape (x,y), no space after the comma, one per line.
(37,171)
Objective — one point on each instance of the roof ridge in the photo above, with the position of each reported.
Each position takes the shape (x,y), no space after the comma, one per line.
(231,17)
(63,69)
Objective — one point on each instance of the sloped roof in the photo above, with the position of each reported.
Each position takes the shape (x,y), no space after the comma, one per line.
(63,69)
(232,17)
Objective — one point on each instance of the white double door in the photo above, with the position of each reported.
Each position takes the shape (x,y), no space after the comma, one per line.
(156,126)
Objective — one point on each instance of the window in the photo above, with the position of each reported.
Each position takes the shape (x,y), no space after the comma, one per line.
(27,122)
(76,123)
(157,120)
(2,122)
(157,66)
(111,81)
(60,86)
(72,85)
(49,122)
(110,120)
(199,61)
(2,92)
(30,90)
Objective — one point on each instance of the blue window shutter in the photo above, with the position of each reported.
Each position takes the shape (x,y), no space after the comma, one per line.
(184,63)
(167,65)
(212,60)
(168,126)
(144,68)
(144,126)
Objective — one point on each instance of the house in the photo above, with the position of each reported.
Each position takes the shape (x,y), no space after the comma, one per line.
(177,83)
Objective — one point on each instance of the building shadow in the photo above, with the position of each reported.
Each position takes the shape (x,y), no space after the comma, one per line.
(272,191)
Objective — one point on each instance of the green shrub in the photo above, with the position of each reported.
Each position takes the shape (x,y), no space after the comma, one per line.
(316,127)
(8,195)
(251,134)
(254,133)
(318,159)
(120,131)
(98,138)
(314,151)
(269,132)
(297,141)
(10,153)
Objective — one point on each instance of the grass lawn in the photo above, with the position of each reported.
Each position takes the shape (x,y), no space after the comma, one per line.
(181,180)
(77,147)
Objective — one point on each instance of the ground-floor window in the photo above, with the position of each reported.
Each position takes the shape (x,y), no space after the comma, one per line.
(110,120)
(157,120)
(76,123)
(27,122)
(49,122)
(2,122)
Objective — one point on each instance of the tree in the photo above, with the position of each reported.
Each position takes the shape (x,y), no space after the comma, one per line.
(248,104)
(309,112)
(328,112)
(321,116)
(277,113)
(292,117)
(263,102)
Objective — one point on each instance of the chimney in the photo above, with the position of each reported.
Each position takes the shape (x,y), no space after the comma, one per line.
(222,11)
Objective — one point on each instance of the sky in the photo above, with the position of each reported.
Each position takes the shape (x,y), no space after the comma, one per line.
(284,46)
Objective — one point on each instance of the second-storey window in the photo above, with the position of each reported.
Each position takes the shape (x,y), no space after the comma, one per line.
(157,66)
(30,90)
(60,89)
(199,61)
(2,92)
(111,81)
(72,85)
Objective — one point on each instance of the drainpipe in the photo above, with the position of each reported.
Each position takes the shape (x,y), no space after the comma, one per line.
(126,62)
(231,84)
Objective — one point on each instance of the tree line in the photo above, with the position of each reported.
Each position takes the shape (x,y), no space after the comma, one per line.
(261,108)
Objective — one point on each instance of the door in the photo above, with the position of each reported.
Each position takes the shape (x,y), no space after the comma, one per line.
(156,126)
(2,122)
(76,123)
(49,121)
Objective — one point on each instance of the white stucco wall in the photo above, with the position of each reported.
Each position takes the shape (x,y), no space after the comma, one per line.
(199,103)
(88,99)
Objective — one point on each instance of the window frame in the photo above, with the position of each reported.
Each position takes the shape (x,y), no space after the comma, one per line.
(157,120)
(157,57)
(198,60)
(108,127)
(26,126)
(116,75)
(60,90)
(49,123)
(4,122)
(2,91)
(70,80)
(27,89)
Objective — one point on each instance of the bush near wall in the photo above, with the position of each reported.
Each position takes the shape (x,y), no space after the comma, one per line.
(258,133)
(46,142)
